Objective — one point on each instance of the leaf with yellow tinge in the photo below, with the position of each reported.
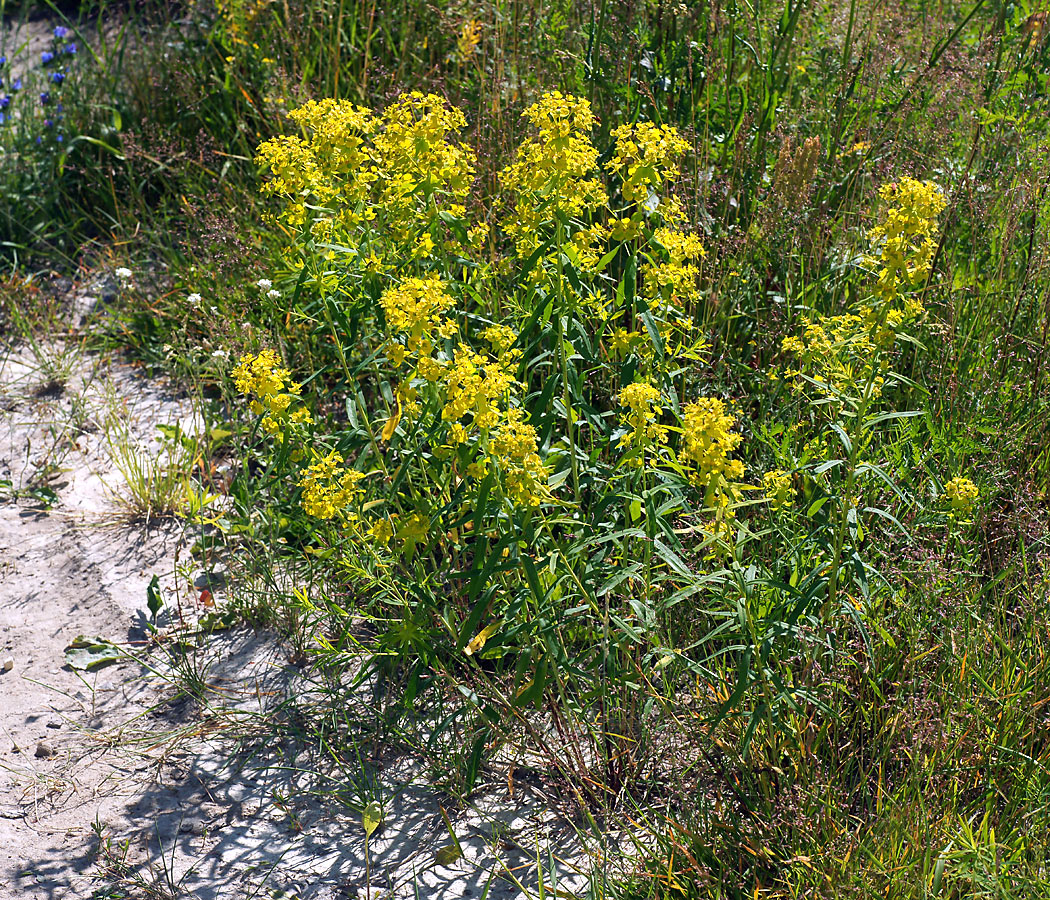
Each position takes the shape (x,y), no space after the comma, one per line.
(391,423)
(477,643)
(448,855)
(371,818)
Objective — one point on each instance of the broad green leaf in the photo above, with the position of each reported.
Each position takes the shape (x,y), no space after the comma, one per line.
(371,818)
(87,654)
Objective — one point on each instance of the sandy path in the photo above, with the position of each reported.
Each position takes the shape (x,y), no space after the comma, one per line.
(73,569)
(202,800)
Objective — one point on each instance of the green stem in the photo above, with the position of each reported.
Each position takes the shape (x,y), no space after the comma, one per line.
(564,362)
(856,435)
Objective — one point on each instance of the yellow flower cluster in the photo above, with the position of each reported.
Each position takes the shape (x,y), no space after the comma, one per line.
(474,386)
(332,167)
(777,486)
(644,155)
(514,447)
(502,339)
(642,402)
(844,354)
(352,167)
(273,389)
(708,440)
(468,40)
(414,153)
(961,494)
(906,238)
(554,175)
(329,487)
(840,354)
(673,280)
(416,308)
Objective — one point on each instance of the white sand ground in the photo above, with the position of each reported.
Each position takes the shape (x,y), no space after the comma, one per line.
(194,801)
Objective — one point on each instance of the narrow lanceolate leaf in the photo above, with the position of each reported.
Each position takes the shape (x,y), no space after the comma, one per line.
(391,424)
(477,643)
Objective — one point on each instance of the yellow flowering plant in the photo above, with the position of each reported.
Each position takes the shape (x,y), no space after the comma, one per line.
(530,425)
(843,366)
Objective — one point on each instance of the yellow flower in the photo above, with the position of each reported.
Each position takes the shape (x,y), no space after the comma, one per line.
(708,440)
(468,40)
(961,494)
(328,487)
(353,167)
(674,279)
(841,354)
(642,402)
(416,156)
(382,531)
(906,238)
(501,337)
(417,306)
(777,485)
(262,375)
(554,175)
(475,386)
(514,447)
(645,154)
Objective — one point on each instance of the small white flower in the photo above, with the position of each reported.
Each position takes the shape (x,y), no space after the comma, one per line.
(123,274)
(194,299)
(215,310)
(220,354)
(273,295)
(264,284)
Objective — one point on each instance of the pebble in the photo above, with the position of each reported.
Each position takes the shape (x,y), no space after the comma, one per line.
(44,750)
(9,664)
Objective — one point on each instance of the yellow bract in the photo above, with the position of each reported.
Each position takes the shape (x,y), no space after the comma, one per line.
(840,354)
(708,440)
(777,485)
(906,238)
(644,160)
(329,487)
(642,402)
(354,167)
(514,447)
(555,173)
(263,376)
(961,494)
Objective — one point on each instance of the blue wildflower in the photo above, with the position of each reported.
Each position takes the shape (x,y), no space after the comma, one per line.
(46,56)
(71,48)
(61,32)
(45,98)
(57,77)
(59,138)
(5,101)
(3,61)
(16,85)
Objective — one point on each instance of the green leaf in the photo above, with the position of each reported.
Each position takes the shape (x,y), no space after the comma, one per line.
(153,598)
(371,818)
(446,856)
(88,654)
